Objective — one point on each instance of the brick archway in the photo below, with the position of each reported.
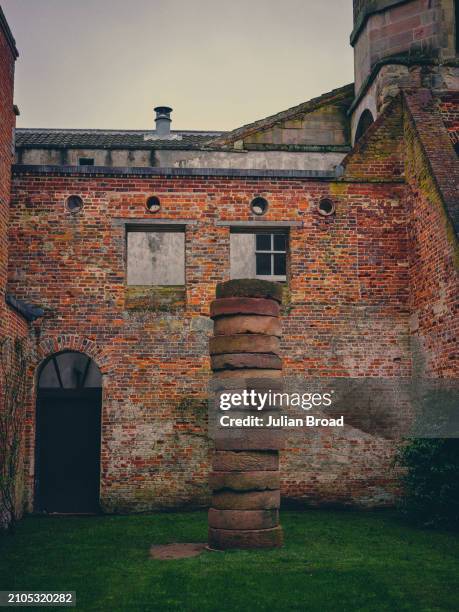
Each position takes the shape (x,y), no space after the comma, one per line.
(57,344)
(45,348)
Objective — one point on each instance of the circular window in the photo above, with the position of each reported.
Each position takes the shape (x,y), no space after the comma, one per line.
(153,204)
(259,206)
(326,207)
(74,204)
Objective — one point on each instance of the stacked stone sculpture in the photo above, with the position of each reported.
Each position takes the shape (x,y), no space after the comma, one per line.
(244,351)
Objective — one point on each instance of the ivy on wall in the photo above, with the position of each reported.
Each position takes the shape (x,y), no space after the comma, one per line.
(13,371)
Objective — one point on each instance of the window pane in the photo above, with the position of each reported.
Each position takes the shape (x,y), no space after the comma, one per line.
(48,376)
(279,242)
(263,264)
(72,367)
(263,242)
(93,376)
(280,264)
(71,370)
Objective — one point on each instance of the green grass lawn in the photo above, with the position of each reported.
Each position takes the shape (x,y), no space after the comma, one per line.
(331,561)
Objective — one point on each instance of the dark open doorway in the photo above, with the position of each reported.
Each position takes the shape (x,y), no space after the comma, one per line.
(69,398)
(366,119)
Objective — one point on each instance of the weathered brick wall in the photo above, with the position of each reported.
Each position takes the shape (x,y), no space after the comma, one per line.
(377,156)
(14,351)
(448,105)
(12,326)
(7,122)
(432,173)
(346,315)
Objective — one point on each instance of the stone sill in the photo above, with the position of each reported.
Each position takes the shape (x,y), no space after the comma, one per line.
(157,298)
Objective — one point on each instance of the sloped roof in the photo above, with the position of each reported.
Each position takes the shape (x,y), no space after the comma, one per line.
(33,138)
(342,95)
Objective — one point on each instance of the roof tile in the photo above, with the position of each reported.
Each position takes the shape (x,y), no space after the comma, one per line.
(110,139)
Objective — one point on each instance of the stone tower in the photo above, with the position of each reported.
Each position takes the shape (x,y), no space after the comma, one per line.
(401,43)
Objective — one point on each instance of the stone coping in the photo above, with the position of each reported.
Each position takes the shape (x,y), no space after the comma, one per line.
(94,171)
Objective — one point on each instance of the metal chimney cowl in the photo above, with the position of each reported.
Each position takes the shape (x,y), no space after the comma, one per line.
(163,120)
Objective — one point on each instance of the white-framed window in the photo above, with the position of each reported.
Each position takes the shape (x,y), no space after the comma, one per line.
(155,256)
(260,254)
(271,255)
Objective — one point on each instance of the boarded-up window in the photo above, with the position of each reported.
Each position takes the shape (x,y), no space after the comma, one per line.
(155,257)
(242,256)
(259,255)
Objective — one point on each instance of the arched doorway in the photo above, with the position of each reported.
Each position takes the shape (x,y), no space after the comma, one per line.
(366,119)
(69,398)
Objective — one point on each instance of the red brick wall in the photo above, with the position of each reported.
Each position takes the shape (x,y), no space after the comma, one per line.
(377,156)
(10,323)
(7,122)
(448,105)
(12,326)
(346,316)
(432,173)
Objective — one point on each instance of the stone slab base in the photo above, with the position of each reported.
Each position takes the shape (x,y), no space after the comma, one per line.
(179,550)
(243,519)
(224,539)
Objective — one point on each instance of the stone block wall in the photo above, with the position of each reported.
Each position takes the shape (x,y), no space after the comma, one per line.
(412,28)
(324,126)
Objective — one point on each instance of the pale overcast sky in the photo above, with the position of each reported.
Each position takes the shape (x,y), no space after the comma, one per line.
(218,63)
